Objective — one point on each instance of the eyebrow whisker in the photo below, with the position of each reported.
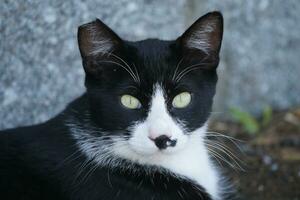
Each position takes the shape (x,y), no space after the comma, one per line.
(134,76)
(125,68)
(176,69)
(137,73)
(187,70)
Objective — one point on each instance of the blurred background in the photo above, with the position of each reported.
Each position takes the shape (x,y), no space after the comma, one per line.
(258,96)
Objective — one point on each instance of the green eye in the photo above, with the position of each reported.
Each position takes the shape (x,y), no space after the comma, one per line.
(130,102)
(182,100)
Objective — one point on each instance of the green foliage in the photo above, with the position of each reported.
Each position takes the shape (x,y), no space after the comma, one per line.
(266,115)
(251,124)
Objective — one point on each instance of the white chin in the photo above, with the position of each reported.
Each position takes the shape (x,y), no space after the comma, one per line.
(143,152)
(154,151)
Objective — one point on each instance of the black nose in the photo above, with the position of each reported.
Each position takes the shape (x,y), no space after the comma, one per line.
(163,141)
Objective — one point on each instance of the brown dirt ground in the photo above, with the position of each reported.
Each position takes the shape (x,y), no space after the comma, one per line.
(271,158)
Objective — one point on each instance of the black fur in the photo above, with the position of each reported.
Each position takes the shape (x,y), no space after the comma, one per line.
(44,162)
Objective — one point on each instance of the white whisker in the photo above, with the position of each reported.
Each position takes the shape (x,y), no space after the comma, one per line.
(221,157)
(227,153)
(230,138)
(223,146)
(128,66)
(176,69)
(137,73)
(128,70)
(187,70)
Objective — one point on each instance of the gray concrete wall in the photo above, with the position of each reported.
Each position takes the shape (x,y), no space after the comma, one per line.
(40,67)
(260,54)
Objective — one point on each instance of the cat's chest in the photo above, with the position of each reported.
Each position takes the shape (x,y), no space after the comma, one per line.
(124,185)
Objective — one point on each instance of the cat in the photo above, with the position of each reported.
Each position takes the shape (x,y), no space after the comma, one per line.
(136,133)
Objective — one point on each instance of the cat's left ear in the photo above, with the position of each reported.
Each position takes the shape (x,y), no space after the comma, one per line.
(204,35)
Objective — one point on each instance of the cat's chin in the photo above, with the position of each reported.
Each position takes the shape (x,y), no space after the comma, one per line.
(156,152)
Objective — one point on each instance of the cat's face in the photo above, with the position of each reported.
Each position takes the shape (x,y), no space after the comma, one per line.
(149,97)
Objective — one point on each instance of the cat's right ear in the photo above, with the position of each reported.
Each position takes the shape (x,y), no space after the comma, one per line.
(97,39)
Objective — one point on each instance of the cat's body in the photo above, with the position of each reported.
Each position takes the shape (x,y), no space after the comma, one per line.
(137,133)
(43,162)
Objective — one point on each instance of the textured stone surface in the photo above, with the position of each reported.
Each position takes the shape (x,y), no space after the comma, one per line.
(260,54)
(40,67)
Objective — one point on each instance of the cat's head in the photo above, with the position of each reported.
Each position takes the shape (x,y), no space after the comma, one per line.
(149,97)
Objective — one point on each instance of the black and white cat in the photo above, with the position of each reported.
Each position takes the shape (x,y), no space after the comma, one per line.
(136,133)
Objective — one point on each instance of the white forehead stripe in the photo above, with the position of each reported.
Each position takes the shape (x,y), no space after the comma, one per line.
(158,105)
(158,120)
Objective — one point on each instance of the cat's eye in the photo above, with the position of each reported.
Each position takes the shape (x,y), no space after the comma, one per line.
(182,100)
(130,102)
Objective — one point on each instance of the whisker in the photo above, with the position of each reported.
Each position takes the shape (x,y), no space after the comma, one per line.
(125,63)
(212,154)
(69,159)
(223,146)
(88,173)
(228,153)
(129,71)
(211,133)
(81,169)
(177,66)
(189,69)
(222,158)
(137,73)
(231,139)
(234,166)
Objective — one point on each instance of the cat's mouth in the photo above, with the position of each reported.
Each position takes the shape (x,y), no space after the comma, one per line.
(134,149)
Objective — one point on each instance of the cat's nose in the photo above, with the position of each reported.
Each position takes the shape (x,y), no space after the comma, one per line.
(163,141)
